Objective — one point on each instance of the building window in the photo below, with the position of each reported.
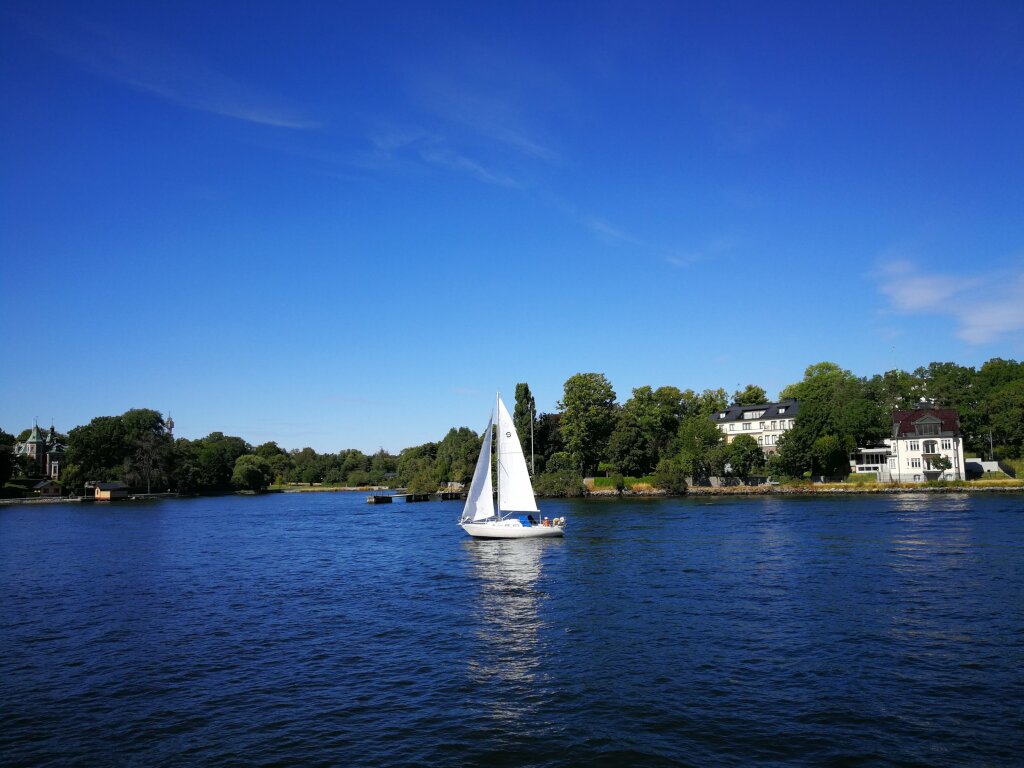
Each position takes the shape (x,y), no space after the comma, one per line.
(746,425)
(762,425)
(892,463)
(753,414)
(929,446)
(760,440)
(947,445)
(927,429)
(732,427)
(915,462)
(915,445)
(782,409)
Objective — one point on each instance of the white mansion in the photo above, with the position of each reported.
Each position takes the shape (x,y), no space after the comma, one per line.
(923,441)
(766,423)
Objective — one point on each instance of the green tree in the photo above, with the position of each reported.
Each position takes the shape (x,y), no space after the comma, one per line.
(833,402)
(752,395)
(949,385)
(251,473)
(523,415)
(630,450)
(1003,414)
(831,454)
(646,426)
(424,480)
(7,442)
(671,475)
(744,456)
(269,450)
(547,438)
(355,467)
(305,466)
(895,390)
(98,448)
(671,405)
(150,462)
(133,447)
(588,418)
(561,462)
(699,449)
(456,455)
(358,478)
(417,461)
(211,462)
(939,464)
(383,466)
(710,401)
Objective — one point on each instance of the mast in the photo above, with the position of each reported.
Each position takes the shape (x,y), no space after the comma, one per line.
(533,466)
(497,450)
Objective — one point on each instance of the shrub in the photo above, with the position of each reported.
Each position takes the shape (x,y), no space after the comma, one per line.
(670,476)
(559,484)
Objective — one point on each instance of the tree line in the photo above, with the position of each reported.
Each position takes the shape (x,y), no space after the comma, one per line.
(666,434)
(669,432)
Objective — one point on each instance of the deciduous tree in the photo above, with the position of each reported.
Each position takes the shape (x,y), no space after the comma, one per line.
(523,415)
(251,473)
(751,395)
(744,456)
(588,418)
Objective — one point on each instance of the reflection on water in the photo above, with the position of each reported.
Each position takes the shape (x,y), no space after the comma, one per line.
(506,600)
(932,551)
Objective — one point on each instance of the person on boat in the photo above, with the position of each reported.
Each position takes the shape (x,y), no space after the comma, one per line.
(530,518)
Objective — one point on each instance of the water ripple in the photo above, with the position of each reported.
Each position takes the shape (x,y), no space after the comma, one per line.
(311,630)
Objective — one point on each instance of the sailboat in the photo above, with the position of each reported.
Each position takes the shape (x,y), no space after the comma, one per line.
(516,516)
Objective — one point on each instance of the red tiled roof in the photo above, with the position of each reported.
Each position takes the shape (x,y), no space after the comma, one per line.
(906,419)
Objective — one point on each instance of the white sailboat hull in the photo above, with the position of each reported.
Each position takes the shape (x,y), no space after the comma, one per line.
(511,529)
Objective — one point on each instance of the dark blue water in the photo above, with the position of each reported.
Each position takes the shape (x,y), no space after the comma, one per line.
(317,630)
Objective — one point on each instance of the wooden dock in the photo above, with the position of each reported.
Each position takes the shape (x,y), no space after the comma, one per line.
(387,498)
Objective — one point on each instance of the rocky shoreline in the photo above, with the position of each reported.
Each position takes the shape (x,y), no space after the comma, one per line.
(789,490)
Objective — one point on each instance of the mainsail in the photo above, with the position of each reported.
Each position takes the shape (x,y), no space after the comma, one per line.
(515,492)
(480,501)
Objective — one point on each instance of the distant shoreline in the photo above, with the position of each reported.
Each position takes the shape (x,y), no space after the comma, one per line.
(610,493)
(785,490)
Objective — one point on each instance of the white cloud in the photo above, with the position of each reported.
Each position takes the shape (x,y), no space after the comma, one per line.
(449,158)
(712,249)
(171,73)
(607,231)
(986,308)
(393,147)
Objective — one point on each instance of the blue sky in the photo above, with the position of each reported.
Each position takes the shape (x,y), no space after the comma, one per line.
(346,225)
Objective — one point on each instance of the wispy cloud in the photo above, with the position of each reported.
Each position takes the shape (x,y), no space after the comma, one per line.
(482,113)
(394,146)
(711,249)
(449,158)
(985,308)
(606,231)
(173,74)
